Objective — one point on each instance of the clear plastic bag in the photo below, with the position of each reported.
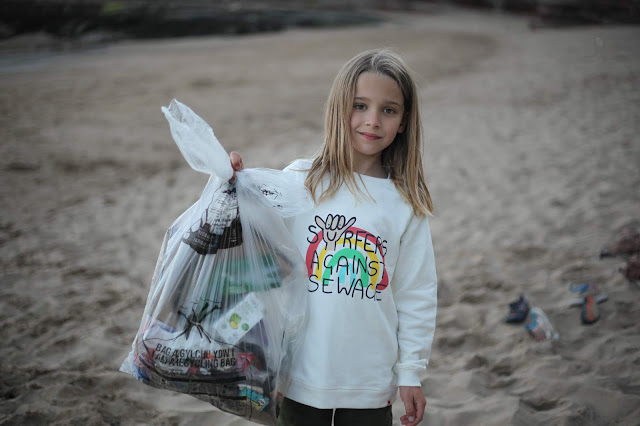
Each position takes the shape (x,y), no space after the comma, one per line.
(227,300)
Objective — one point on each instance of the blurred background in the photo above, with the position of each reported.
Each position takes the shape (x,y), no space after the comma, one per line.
(94,20)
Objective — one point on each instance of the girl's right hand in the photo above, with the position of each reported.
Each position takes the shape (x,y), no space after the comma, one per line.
(236,164)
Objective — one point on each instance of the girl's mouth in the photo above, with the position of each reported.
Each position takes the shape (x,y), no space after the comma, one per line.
(369,136)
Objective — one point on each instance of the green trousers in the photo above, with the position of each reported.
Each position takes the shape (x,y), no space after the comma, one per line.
(293,413)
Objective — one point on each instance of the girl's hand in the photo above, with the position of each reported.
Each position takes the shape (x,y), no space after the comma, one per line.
(236,164)
(414,404)
(333,228)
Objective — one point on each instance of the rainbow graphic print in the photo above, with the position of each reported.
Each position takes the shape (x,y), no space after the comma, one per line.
(345,260)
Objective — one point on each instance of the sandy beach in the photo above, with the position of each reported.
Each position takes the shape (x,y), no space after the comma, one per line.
(532,156)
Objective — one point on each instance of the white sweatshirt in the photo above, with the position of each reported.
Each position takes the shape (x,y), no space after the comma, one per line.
(372,297)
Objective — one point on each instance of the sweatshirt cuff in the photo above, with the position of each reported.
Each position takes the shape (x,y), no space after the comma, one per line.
(408,377)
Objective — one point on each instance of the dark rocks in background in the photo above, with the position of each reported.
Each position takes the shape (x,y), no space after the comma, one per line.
(149,19)
(565,12)
(590,12)
(6,31)
(519,6)
(181,22)
(45,16)
(475,4)
(175,18)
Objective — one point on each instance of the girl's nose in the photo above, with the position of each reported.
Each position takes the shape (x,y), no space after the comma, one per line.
(372,119)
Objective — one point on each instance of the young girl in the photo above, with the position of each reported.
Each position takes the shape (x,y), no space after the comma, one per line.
(368,250)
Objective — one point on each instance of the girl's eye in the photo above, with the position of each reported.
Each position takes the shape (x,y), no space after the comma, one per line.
(359,107)
(389,111)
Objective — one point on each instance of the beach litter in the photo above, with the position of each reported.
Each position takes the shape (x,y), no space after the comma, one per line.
(587,289)
(537,323)
(224,313)
(518,311)
(590,296)
(539,326)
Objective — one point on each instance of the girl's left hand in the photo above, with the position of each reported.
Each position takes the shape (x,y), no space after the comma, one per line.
(414,404)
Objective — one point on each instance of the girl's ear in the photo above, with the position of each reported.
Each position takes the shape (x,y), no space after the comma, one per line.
(401,128)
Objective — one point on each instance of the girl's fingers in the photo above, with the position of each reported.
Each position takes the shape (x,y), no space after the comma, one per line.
(236,161)
(236,164)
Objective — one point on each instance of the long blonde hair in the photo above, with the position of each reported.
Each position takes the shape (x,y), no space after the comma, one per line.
(403,157)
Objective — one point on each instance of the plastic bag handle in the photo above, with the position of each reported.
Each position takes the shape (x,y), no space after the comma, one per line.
(197,142)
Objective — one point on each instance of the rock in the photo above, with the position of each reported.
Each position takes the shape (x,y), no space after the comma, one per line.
(6,31)
(632,269)
(71,19)
(626,241)
(576,12)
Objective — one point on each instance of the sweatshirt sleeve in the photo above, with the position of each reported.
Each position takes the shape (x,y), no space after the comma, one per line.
(414,287)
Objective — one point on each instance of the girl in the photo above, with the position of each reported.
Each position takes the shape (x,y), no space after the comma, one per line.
(368,250)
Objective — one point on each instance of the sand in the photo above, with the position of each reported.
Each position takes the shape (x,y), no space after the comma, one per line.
(532,157)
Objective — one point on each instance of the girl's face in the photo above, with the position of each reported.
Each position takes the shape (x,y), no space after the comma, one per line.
(376,118)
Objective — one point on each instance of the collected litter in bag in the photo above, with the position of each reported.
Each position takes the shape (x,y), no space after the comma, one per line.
(226,306)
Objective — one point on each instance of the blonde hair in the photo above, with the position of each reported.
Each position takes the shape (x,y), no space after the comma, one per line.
(402,158)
